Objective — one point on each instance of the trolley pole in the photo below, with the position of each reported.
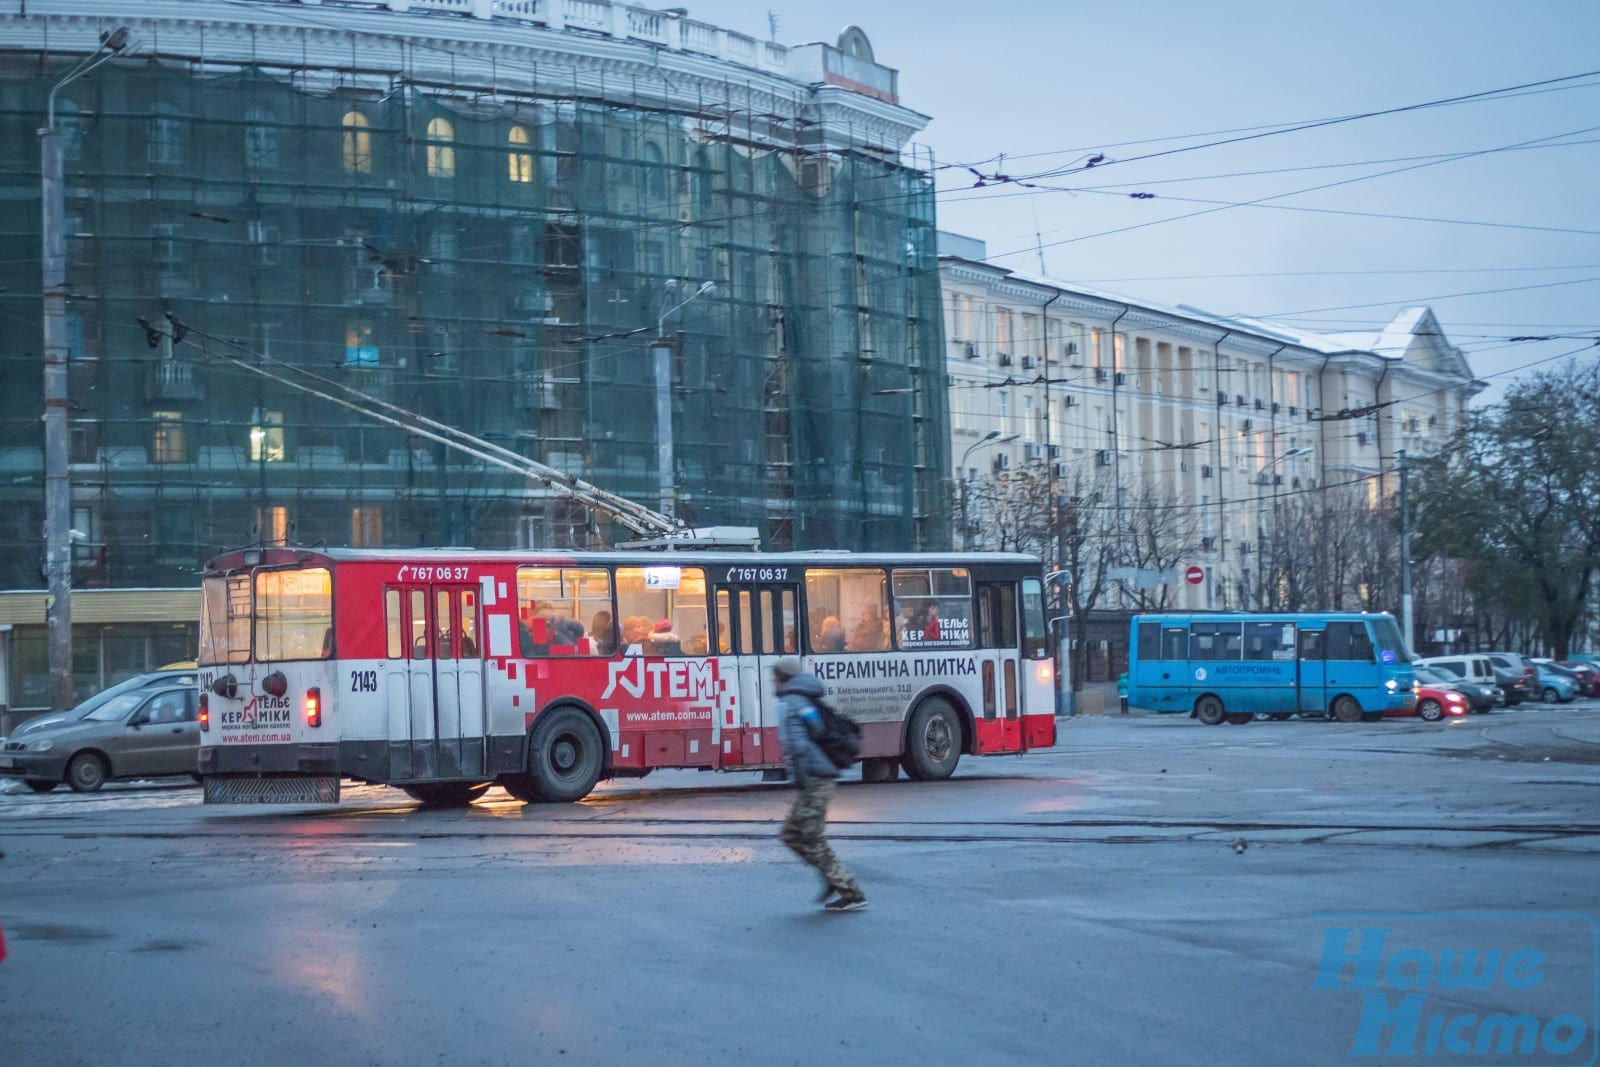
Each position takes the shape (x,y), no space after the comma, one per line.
(53,295)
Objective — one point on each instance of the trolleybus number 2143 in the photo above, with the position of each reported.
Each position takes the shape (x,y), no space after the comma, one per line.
(446,672)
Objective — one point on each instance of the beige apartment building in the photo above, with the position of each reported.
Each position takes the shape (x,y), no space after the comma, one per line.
(1124,404)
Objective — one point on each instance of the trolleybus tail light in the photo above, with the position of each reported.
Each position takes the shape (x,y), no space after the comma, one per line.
(314,706)
(205,712)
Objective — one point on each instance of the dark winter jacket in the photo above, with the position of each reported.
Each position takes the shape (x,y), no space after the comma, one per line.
(799,725)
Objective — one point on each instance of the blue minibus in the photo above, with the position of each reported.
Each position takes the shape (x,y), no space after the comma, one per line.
(1232,667)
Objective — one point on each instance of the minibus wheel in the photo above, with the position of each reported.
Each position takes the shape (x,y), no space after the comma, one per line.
(1346,709)
(1208,709)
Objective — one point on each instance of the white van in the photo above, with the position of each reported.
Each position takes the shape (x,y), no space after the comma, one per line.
(1471,668)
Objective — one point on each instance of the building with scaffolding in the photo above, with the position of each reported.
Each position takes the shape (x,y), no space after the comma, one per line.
(488,212)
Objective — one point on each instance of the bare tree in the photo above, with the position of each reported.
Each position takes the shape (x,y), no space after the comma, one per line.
(1161,532)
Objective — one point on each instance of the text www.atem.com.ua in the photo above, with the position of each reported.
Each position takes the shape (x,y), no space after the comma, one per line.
(636,717)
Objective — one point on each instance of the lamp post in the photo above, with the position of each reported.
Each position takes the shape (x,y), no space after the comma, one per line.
(52,291)
(1261,537)
(661,351)
(992,436)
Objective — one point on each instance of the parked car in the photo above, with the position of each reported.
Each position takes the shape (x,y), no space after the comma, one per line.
(139,733)
(1514,664)
(1556,686)
(1480,698)
(172,674)
(1586,675)
(1475,670)
(1433,704)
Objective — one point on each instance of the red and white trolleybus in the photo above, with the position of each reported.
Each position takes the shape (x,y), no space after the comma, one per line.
(445,671)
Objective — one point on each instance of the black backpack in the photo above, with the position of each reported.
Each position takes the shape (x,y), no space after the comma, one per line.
(840,738)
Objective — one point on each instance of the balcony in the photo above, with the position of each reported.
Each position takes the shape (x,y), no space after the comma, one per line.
(172,379)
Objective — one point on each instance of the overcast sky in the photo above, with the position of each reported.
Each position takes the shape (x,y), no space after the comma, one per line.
(1050,84)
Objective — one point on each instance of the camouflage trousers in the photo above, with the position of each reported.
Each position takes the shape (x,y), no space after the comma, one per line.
(805,831)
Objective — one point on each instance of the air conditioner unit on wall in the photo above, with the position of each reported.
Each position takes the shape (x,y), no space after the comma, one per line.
(1104,457)
(1205,470)
(1120,379)
(972,350)
(1099,374)
(1071,401)
(1361,438)
(1033,451)
(1058,470)
(1029,363)
(1002,462)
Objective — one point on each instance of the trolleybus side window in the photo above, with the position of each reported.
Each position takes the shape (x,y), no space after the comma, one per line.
(562,611)
(933,606)
(394,624)
(417,624)
(997,615)
(294,614)
(663,611)
(225,620)
(847,609)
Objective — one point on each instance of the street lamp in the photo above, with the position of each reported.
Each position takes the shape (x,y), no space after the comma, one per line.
(52,291)
(1261,540)
(662,354)
(993,436)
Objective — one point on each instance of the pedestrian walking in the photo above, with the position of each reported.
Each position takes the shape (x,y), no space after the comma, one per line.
(1122,692)
(816,777)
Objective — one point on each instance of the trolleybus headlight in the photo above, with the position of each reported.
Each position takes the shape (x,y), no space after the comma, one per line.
(1044,672)
(204,715)
(314,706)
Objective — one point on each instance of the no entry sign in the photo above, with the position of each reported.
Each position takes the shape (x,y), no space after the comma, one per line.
(1194,575)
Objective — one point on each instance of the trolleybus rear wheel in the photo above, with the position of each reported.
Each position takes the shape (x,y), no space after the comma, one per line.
(446,794)
(1208,709)
(933,742)
(565,756)
(1346,709)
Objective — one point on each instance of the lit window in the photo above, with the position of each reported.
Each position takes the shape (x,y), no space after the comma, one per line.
(441,149)
(167,443)
(359,350)
(519,159)
(357,143)
(266,438)
(260,139)
(165,143)
(366,527)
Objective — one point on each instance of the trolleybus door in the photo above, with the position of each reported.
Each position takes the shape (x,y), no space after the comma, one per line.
(765,627)
(1000,665)
(435,692)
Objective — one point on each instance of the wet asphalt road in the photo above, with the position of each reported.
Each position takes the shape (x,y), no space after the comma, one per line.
(1149,891)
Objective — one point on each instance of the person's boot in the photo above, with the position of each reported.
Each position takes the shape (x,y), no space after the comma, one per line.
(847,902)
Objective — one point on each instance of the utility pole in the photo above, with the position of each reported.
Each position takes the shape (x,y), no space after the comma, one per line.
(1406,618)
(53,294)
(662,352)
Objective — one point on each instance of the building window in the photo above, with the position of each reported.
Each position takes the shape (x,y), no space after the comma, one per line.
(357,143)
(272,526)
(165,143)
(359,349)
(441,149)
(655,172)
(168,252)
(366,527)
(166,445)
(260,138)
(266,438)
(1002,329)
(519,160)
(442,251)
(69,128)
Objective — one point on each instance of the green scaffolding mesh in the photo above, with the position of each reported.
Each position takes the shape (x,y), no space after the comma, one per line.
(499,262)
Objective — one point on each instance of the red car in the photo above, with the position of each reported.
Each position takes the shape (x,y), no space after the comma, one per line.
(1433,704)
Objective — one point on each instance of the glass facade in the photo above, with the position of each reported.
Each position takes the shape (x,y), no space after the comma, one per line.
(502,262)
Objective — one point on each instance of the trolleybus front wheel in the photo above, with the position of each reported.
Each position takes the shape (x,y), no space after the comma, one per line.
(933,742)
(1208,709)
(446,794)
(565,756)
